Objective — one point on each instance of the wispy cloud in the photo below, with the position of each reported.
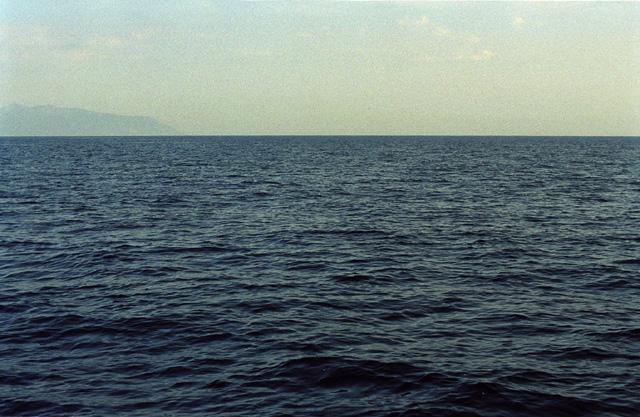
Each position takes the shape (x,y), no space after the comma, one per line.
(24,35)
(100,45)
(456,40)
(422,21)
(484,55)
(26,41)
(256,52)
(425,23)
(306,35)
(518,21)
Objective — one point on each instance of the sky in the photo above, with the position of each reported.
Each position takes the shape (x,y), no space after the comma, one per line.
(331,67)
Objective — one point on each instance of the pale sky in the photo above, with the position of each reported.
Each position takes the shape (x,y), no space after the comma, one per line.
(331,67)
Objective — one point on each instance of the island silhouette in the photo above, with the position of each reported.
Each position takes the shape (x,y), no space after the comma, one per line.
(46,120)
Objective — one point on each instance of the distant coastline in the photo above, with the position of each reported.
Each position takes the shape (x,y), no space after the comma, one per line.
(36,121)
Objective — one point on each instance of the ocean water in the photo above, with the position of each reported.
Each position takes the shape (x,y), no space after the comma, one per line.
(320,276)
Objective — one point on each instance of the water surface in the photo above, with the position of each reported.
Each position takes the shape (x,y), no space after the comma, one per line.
(321,276)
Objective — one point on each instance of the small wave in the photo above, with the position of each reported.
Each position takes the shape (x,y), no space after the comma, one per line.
(611,283)
(348,232)
(217,384)
(584,353)
(206,338)
(633,261)
(334,372)
(358,278)
(616,335)
(34,407)
(192,249)
(303,266)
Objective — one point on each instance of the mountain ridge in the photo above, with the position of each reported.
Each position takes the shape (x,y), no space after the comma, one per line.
(48,120)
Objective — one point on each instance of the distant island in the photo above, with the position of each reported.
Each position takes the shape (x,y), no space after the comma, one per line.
(20,120)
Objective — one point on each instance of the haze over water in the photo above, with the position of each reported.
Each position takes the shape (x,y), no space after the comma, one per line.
(320,276)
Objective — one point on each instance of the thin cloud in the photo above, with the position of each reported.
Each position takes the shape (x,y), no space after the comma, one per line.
(456,39)
(256,52)
(306,35)
(422,21)
(484,55)
(518,21)
(425,23)
(28,41)
(442,31)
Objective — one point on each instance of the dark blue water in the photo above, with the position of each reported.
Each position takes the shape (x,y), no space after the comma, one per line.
(320,276)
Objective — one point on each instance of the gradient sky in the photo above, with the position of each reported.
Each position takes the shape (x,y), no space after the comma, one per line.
(320,67)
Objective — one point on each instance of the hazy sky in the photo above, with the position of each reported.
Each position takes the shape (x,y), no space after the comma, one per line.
(321,67)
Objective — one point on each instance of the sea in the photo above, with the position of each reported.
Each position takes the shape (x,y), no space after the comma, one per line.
(320,276)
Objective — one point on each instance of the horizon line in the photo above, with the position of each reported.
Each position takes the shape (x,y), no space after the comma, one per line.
(316,136)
